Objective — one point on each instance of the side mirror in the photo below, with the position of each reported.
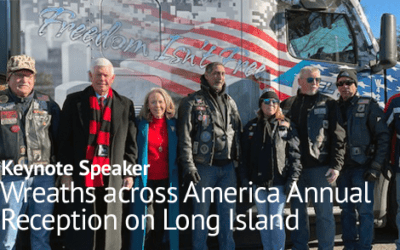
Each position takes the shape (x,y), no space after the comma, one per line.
(388,44)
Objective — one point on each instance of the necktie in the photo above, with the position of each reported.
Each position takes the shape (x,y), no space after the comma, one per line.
(101,100)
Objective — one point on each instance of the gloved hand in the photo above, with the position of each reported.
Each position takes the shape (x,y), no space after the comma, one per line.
(288,186)
(193,176)
(372,173)
(387,171)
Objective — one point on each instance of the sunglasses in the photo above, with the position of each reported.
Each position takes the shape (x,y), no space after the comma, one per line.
(270,100)
(311,79)
(347,82)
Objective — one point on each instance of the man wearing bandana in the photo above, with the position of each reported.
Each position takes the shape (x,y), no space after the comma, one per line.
(97,126)
(29,124)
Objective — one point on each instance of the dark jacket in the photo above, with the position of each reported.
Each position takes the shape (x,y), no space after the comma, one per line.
(322,137)
(392,119)
(138,207)
(203,133)
(283,158)
(367,134)
(74,133)
(35,121)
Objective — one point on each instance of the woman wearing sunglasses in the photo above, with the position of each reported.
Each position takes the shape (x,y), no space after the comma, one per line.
(271,162)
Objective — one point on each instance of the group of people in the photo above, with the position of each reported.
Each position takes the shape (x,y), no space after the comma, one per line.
(308,140)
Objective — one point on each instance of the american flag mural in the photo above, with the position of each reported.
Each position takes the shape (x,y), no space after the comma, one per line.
(168,43)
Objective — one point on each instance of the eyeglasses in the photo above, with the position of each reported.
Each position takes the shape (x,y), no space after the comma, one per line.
(270,100)
(311,79)
(20,76)
(347,82)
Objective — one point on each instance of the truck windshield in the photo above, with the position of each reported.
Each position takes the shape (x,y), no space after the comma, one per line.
(320,36)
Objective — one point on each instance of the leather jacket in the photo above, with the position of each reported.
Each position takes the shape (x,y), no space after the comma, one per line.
(28,134)
(203,133)
(392,119)
(285,151)
(324,141)
(367,134)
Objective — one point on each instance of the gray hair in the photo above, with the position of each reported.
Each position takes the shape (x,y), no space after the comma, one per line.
(101,62)
(210,67)
(306,69)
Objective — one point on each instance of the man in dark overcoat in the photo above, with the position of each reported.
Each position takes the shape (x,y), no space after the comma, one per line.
(97,129)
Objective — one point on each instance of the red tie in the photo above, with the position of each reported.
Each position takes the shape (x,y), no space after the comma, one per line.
(101,99)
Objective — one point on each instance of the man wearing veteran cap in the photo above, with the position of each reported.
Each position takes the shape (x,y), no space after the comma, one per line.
(29,123)
(367,144)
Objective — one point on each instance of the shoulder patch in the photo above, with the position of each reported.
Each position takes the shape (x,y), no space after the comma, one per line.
(7,106)
(198,99)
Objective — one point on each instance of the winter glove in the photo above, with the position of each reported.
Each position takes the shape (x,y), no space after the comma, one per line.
(193,176)
(372,173)
(387,171)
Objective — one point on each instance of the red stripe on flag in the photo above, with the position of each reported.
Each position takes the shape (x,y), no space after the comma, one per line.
(250,29)
(244,44)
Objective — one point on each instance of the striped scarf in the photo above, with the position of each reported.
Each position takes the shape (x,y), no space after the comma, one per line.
(99,134)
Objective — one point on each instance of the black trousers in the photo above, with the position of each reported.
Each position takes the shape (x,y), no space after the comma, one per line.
(155,236)
(100,208)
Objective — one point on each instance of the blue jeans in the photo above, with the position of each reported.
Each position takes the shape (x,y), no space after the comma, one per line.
(272,238)
(354,238)
(325,221)
(398,208)
(214,176)
(40,238)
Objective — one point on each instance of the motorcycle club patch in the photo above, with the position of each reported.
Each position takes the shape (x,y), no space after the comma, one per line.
(204,149)
(15,128)
(22,150)
(363,101)
(361,108)
(3,98)
(9,117)
(206,120)
(43,98)
(205,136)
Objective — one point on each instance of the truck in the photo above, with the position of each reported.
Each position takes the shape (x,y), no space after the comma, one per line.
(167,43)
